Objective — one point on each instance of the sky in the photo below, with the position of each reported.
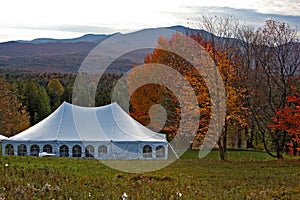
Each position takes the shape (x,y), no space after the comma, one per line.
(30,19)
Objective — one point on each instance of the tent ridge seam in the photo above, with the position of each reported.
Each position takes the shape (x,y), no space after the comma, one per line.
(60,122)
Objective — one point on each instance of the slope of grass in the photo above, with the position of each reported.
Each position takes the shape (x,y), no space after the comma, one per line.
(246,176)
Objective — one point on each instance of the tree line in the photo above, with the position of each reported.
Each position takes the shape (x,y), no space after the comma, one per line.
(28,98)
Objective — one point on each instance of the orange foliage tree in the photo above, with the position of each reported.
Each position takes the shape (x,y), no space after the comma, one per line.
(147,95)
(153,93)
(235,92)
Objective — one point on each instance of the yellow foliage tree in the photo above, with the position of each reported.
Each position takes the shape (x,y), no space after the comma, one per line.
(13,115)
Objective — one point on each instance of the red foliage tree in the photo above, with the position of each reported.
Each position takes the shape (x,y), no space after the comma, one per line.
(288,119)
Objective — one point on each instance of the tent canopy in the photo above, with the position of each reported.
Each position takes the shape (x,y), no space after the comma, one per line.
(2,137)
(75,123)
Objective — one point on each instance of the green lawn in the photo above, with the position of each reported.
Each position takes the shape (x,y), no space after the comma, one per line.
(248,175)
(233,155)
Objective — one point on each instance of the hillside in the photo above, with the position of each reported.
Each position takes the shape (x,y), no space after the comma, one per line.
(66,55)
(63,55)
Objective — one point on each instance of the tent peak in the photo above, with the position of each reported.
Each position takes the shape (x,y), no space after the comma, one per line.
(65,103)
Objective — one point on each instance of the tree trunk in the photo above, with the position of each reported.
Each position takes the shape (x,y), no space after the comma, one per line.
(265,144)
(221,150)
(222,143)
(279,154)
(239,142)
(249,137)
(278,145)
(225,142)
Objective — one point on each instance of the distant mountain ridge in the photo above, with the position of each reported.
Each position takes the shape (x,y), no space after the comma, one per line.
(51,46)
(64,55)
(96,38)
(93,38)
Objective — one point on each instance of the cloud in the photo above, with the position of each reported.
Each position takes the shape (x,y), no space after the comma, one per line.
(248,16)
(71,28)
(280,7)
(76,22)
(29,32)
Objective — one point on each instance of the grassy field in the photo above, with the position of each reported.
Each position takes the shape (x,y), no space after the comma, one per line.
(248,175)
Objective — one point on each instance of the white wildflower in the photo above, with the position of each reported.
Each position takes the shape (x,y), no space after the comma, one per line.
(47,187)
(179,194)
(124,196)
(6,165)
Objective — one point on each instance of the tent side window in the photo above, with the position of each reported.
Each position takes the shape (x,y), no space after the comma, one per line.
(34,150)
(89,151)
(47,148)
(102,149)
(64,151)
(147,151)
(9,150)
(22,150)
(160,151)
(76,151)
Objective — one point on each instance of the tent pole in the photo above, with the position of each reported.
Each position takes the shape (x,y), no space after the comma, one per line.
(173,150)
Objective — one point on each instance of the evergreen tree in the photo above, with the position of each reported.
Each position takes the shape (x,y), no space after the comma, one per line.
(55,91)
(36,100)
(44,101)
(31,94)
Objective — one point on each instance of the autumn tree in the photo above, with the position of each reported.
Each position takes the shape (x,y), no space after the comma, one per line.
(221,32)
(150,95)
(168,96)
(157,93)
(13,115)
(221,44)
(235,93)
(244,57)
(276,61)
(287,120)
(265,61)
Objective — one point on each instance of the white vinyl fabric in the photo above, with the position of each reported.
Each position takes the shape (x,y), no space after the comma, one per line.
(105,132)
(2,137)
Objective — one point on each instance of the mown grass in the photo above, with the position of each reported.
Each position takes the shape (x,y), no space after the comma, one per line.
(248,175)
(233,155)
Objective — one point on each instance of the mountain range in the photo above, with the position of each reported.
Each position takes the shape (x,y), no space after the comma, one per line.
(63,55)
(66,55)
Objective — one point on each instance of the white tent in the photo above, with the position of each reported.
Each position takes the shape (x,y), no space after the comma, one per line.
(2,137)
(105,132)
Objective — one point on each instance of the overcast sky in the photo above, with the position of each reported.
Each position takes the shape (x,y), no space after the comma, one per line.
(29,19)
